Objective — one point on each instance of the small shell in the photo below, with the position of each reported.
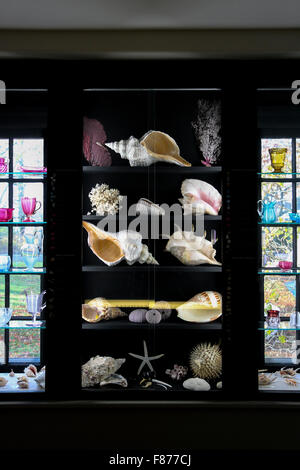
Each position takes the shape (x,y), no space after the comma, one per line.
(201,197)
(31,370)
(146,256)
(153,316)
(41,377)
(23,384)
(138,315)
(3,381)
(23,378)
(11,374)
(144,206)
(219,385)
(196,384)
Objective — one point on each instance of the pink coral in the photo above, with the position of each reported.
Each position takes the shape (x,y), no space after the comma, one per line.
(94,137)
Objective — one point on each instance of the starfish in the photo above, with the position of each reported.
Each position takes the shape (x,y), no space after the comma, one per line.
(145,359)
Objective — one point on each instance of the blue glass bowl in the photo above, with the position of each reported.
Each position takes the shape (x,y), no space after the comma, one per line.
(294,217)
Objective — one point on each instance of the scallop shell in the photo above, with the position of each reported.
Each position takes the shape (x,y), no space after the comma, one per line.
(138,315)
(204,307)
(201,197)
(196,384)
(191,249)
(113,248)
(144,206)
(154,146)
(99,309)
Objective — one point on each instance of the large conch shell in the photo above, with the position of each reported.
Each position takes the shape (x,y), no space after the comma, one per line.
(99,309)
(191,249)
(154,146)
(202,308)
(113,248)
(201,197)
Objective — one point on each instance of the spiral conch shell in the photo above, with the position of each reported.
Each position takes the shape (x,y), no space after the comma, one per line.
(203,307)
(99,309)
(201,197)
(113,248)
(191,249)
(153,147)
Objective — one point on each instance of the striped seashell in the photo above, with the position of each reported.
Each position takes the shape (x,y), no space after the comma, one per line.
(202,308)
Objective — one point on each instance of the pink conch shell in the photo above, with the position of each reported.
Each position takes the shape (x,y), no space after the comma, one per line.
(201,197)
(94,137)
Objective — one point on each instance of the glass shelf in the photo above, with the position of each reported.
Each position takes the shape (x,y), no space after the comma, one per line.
(24,173)
(22,325)
(279,272)
(22,223)
(279,224)
(284,325)
(24,271)
(157,168)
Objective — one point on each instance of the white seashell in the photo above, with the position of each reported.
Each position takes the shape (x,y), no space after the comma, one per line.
(191,249)
(133,151)
(144,206)
(23,384)
(113,248)
(98,369)
(30,371)
(196,384)
(3,381)
(114,379)
(11,374)
(154,146)
(41,377)
(200,197)
(204,307)
(99,309)
(219,385)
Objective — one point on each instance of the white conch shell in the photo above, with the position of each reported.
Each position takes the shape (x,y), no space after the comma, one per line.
(99,368)
(41,377)
(201,197)
(204,307)
(99,309)
(144,206)
(191,249)
(154,146)
(112,248)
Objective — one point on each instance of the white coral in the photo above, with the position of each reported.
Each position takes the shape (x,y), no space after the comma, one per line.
(98,369)
(104,200)
(207,130)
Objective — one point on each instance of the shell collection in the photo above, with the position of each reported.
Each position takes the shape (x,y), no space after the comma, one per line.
(201,308)
(99,309)
(206,361)
(191,249)
(200,197)
(113,248)
(154,146)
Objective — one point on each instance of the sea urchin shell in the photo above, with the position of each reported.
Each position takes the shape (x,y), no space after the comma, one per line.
(206,361)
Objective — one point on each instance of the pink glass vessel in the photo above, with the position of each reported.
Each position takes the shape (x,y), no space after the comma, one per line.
(285,265)
(29,206)
(3,165)
(6,214)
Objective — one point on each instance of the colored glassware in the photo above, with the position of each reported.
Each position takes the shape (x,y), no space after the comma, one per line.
(5,263)
(29,207)
(31,248)
(6,214)
(3,165)
(266,210)
(5,316)
(273,318)
(277,155)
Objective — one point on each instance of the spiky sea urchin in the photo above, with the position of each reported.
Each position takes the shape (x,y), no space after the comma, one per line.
(206,361)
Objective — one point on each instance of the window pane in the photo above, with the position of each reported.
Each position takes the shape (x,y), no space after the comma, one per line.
(24,345)
(21,237)
(266,144)
(3,194)
(280,292)
(3,240)
(2,347)
(280,345)
(277,245)
(28,190)
(28,152)
(18,284)
(282,194)
(4,153)
(2,291)
(298,155)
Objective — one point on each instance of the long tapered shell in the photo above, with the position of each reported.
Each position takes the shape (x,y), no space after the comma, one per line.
(133,151)
(202,196)
(103,245)
(191,249)
(163,147)
(202,308)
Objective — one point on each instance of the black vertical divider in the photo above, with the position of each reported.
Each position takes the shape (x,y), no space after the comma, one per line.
(64,236)
(241,302)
